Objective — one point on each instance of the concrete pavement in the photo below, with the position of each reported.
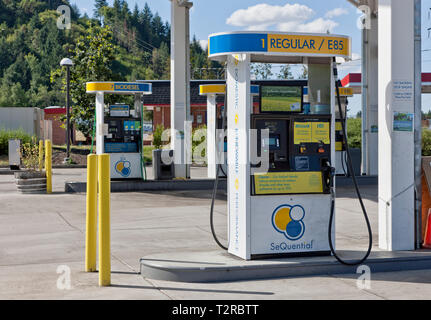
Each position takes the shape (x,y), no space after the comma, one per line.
(39,233)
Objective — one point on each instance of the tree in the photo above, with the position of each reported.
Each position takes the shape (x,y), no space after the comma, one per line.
(285,72)
(304,74)
(161,62)
(98,9)
(262,71)
(354,132)
(94,54)
(31,47)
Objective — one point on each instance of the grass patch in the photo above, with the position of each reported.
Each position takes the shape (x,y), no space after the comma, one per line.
(148,153)
(4,161)
(280,103)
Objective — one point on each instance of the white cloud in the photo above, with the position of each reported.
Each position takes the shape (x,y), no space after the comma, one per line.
(203,44)
(290,17)
(265,15)
(319,25)
(356,56)
(336,13)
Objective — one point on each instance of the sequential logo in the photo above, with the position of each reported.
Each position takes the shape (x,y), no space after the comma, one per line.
(123,167)
(288,220)
(283,246)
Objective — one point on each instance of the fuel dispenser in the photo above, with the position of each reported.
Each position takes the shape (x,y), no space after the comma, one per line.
(123,142)
(119,131)
(281,191)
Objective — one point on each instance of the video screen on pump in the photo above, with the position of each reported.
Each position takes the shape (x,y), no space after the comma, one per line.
(281,99)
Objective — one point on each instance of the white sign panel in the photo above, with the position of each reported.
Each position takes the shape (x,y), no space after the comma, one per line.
(290,224)
(403,92)
(239,172)
(125,165)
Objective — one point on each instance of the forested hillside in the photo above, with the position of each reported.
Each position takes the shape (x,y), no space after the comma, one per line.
(31,47)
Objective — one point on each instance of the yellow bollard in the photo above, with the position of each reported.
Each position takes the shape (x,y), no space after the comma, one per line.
(40,155)
(91,226)
(48,165)
(104,220)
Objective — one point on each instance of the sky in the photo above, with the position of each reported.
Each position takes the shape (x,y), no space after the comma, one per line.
(337,16)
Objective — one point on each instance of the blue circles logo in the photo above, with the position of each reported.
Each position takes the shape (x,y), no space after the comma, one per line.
(123,167)
(288,220)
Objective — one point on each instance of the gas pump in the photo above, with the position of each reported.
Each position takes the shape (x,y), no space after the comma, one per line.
(123,142)
(119,133)
(281,191)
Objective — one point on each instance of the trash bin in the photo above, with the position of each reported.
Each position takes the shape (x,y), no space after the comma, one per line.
(161,168)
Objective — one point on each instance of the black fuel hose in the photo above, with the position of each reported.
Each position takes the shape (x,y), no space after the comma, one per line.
(355,182)
(219,167)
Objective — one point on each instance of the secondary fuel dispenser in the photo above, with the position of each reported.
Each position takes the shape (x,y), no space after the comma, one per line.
(120,133)
(123,142)
(280,162)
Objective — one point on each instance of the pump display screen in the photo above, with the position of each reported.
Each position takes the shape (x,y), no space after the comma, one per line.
(273,142)
(281,99)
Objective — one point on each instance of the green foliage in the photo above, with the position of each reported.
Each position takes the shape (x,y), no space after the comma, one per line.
(31,47)
(92,58)
(157,136)
(6,135)
(161,63)
(98,8)
(354,132)
(262,71)
(201,67)
(148,154)
(285,72)
(30,154)
(199,144)
(426,142)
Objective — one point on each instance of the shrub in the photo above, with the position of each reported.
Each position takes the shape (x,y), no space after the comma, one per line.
(157,136)
(30,154)
(199,144)
(6,135)
(354,132)
(426,142)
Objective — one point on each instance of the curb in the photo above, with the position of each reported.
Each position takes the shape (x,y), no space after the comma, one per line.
(179,185)
(151,185)
(182,267)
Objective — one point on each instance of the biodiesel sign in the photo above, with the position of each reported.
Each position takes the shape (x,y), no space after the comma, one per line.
(290,44)
(119,87)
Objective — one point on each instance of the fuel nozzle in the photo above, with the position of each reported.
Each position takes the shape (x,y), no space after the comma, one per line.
(328,174)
